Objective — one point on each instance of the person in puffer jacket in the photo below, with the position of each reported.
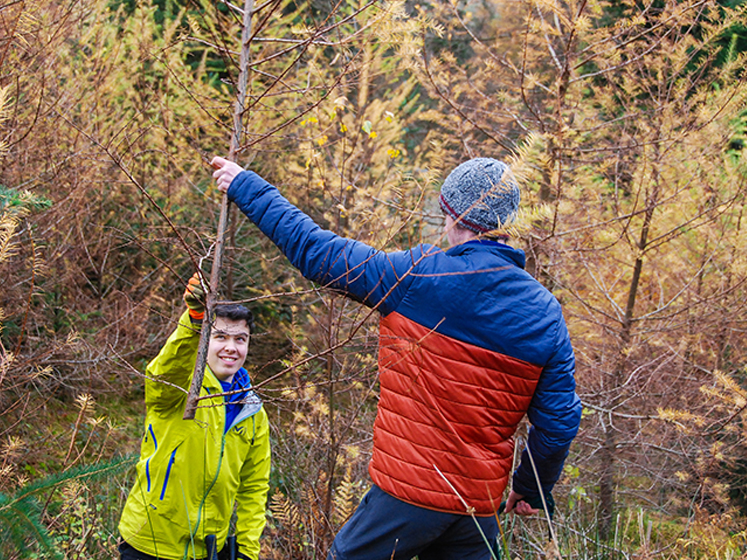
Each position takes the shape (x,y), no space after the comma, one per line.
(191,473)
(469,343)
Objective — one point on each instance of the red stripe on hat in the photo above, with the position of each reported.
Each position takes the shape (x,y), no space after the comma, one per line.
(461,220)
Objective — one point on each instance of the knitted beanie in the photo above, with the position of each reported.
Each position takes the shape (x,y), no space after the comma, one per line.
(481,195)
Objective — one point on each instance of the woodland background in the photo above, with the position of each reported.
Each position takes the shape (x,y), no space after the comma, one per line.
(624,121)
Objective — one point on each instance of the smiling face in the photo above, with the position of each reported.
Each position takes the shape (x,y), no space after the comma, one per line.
(229,344)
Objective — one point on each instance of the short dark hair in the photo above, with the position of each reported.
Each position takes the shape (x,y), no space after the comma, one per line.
(234,312)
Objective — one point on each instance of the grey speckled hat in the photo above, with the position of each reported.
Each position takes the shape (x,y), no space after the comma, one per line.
(481,194)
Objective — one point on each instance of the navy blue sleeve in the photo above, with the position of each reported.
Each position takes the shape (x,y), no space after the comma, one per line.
(373,277)
(555,415)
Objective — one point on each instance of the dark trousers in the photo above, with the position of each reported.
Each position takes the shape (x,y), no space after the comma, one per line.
(127,552)
(385,528)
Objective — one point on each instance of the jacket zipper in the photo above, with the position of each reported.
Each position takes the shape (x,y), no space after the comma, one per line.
(147,463)
(168,472)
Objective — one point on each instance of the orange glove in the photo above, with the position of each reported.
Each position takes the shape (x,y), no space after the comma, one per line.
(194,297)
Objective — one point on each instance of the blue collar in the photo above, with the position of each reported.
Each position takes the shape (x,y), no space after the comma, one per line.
(516,256)
(489,242)
(240,381)
(233,402)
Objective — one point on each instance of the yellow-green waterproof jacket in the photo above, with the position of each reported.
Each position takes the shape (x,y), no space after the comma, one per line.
(190,474)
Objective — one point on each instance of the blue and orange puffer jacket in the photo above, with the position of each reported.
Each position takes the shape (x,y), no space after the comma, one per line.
(468,344)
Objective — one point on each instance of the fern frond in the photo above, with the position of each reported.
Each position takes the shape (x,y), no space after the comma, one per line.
(346,498)
(8,226)
(284,510)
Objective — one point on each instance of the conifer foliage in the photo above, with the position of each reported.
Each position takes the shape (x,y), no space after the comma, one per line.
(624,122)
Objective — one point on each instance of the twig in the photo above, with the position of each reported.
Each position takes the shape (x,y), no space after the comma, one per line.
(542,495)
(76,429)
(117,160)
(470,511)
(200,362)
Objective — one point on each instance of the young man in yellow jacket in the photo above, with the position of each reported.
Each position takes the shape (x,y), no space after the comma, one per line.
(191,473)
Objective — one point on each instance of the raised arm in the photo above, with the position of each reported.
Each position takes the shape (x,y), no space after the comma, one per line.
(371,276)
(169,374)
